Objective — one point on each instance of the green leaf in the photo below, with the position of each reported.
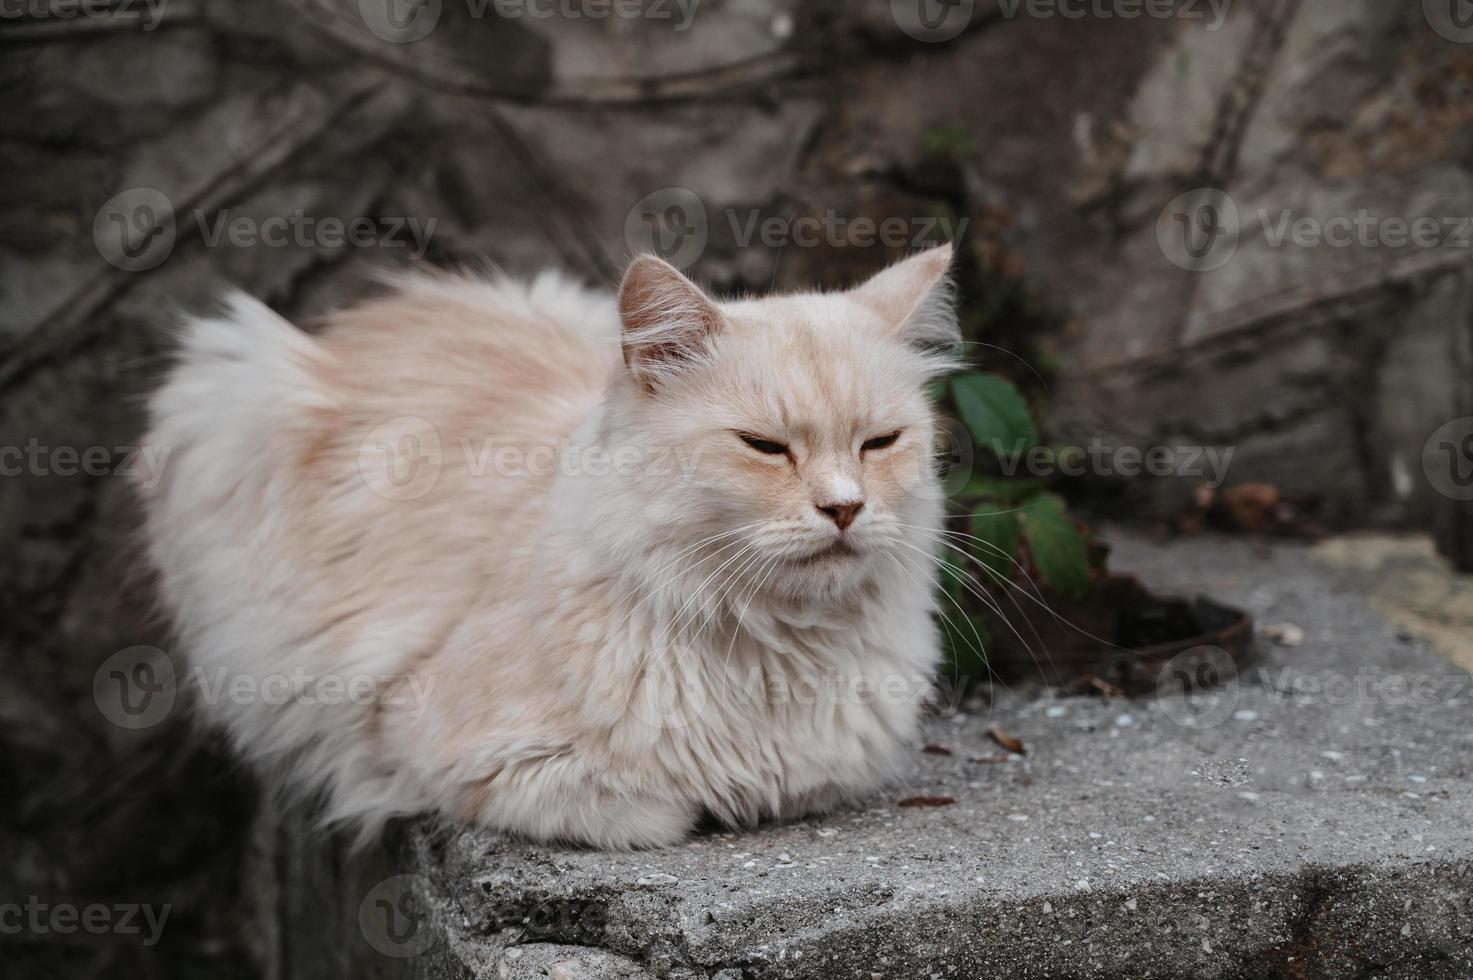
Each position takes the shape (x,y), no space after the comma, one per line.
(996,493)
(950,581)
(1057,547)
(965,640)
(995,413)
(998,550)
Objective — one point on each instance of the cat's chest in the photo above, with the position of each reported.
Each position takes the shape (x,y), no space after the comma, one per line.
(820,698)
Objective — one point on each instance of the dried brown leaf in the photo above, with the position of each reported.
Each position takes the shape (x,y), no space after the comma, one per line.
(925,801)
(1010,742)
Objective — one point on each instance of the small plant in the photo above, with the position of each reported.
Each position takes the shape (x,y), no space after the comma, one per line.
(949,140)
(1003,529)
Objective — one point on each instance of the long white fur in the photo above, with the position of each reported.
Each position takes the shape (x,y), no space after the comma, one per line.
(597,657)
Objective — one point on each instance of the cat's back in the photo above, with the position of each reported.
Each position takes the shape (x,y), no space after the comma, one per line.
(532,356)
(348,493)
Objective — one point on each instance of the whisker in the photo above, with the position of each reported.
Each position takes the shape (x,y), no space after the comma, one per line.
(729,587)
(1034,596)
(997,577)
(977,589)
(652,591)
(979,646)
(761,579)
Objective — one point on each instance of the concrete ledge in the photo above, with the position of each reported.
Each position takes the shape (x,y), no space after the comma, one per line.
(1311,820)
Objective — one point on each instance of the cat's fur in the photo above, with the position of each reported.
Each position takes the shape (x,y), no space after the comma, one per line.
(581,651)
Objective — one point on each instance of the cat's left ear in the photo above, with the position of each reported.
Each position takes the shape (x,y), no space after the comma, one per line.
(916,299)
(667,319)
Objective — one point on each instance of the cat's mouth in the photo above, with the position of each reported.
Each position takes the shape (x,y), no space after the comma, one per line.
(840,550)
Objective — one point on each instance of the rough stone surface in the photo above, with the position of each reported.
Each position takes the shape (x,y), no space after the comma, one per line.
(1307,820)
(531,141)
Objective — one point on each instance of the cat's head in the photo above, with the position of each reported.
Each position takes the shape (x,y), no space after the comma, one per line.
(799,427)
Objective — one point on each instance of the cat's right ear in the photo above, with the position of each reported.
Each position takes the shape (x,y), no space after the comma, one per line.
(667,320)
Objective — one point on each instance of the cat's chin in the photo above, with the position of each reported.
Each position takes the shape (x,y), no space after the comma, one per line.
(824,575)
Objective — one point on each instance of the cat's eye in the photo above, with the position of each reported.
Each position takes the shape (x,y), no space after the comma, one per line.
(881,442)
(765,445)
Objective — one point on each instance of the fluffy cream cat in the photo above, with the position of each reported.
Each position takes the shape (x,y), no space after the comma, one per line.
(573,566)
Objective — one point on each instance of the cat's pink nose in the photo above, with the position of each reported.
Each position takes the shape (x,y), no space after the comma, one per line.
(842,514)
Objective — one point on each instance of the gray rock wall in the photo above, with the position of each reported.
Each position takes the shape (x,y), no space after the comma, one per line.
(147,149)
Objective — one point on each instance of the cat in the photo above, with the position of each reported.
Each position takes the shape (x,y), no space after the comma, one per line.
(581,567)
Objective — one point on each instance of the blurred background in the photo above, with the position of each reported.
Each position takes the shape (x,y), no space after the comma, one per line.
(1236,230)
